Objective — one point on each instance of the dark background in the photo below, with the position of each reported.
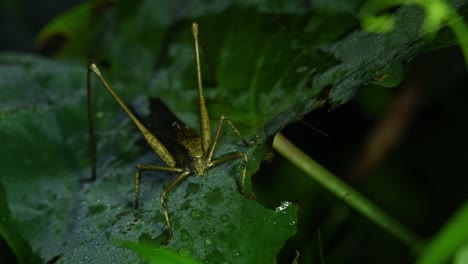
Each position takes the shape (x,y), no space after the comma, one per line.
(20,21)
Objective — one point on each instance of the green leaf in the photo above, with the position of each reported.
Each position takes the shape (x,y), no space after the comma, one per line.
(450,238)
(156,255)
(276,65)
(9,231)
(461,255)
(72,33)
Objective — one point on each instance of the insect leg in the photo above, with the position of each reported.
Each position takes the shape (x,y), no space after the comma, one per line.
(141,167)
(163,201)
(218,133)
(152,140)
(205,128)
(91,137)
(244,166)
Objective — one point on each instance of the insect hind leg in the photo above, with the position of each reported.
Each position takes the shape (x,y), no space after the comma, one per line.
(139,168)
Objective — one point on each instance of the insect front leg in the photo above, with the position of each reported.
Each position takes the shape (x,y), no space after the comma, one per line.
(218,133)
(139,168)
(244,167)
(166,191)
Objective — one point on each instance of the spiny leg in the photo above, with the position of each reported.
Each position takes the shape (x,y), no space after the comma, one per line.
(91,137)
(140,167)
(163,201)
(205,128)
(218,133)
(244,166)
(152,140)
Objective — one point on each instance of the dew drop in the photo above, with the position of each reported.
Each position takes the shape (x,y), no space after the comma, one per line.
(208,242)
(225,217)
(192,188)
(301,69)
(184,251)
(185,236)
(96,209)
(283,206)
(196,214)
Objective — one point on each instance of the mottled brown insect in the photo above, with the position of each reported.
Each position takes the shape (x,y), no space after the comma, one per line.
(186,153)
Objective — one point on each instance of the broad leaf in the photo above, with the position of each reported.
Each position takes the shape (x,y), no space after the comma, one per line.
(273,62)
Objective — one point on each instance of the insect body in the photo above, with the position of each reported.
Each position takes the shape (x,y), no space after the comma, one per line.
(190,153)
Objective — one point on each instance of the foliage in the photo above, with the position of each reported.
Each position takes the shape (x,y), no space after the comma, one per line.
(276,61)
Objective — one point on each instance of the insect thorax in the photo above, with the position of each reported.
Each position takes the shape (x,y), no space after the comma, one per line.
(200,165)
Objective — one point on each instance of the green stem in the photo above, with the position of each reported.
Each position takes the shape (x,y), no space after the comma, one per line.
(345,192)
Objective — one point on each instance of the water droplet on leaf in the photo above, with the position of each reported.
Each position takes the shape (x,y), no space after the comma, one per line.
(196,214)
(225,217)
(184,251)
(283,206)
(186,235)
(208,242)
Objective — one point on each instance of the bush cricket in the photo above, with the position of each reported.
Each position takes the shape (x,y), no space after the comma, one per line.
(197,151)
